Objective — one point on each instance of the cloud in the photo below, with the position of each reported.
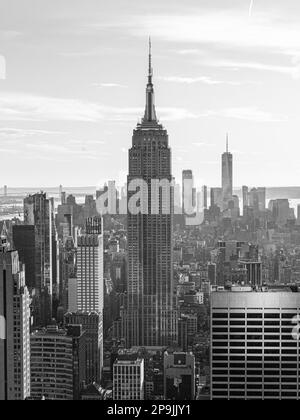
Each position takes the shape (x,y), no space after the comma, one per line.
(76,142)
(65,153)
(23,107)
(10,151)
(229,30)
(109,85)
(8,35)
(2,68)
(291,70)
(201,79)
(246,113)
(251,8)
(224,27)
(203,144)
(189,51)
(26,107)
(22,132)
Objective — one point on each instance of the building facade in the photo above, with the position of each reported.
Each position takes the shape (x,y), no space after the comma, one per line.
(90,271)
(57,363)
(180,376)
(92,324)
(150,318)
(255,345)
(39,213)
(15,328)
(128,378)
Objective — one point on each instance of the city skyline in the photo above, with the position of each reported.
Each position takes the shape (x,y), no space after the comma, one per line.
(234,68)
(176,277)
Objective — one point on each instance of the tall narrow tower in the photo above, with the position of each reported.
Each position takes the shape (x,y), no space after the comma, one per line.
(227,175)
(149,315)
(90,283)
(14,327)
(39,213)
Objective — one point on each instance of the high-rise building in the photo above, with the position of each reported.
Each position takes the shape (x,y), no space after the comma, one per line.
(202,203)
(150,319)
(255,345)
(90,294)
(298,214)
(245,193)
(177,199)
(212,273)
(204,197)
(179,374)
(24,243)
(216,197)
(67,275)
(257,199)
(238,263)
(262,196)
(57,363)
(15,328)
(128,378)
(227,176)
(281,211)
(188,199)
(39,212)
(92,324)
(254,272)
(90,281)
(5,190)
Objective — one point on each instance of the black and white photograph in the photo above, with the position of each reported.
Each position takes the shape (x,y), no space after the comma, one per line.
(149,203)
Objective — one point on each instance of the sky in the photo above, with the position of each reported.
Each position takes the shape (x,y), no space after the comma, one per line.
(73,77)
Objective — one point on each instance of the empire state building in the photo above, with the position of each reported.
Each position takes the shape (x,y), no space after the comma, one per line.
(150,318)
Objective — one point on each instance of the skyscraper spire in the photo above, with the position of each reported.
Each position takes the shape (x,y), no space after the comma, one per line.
(150,113)
(150,73)
(227,143)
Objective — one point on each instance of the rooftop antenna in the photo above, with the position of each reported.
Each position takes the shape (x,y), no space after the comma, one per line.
(227,143)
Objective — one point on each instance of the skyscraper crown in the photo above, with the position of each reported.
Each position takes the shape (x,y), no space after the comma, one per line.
(150,113)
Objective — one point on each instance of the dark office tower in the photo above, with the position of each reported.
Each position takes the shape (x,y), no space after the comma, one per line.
(183,333)
(93,327)
(245,191)
(14,327)
(187,192)
(204,196)
(57,363)
(212,273)
(24,243)
(179,373)
(38,212)
(67,271)
(227,176)
(150,318)
(55,263)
